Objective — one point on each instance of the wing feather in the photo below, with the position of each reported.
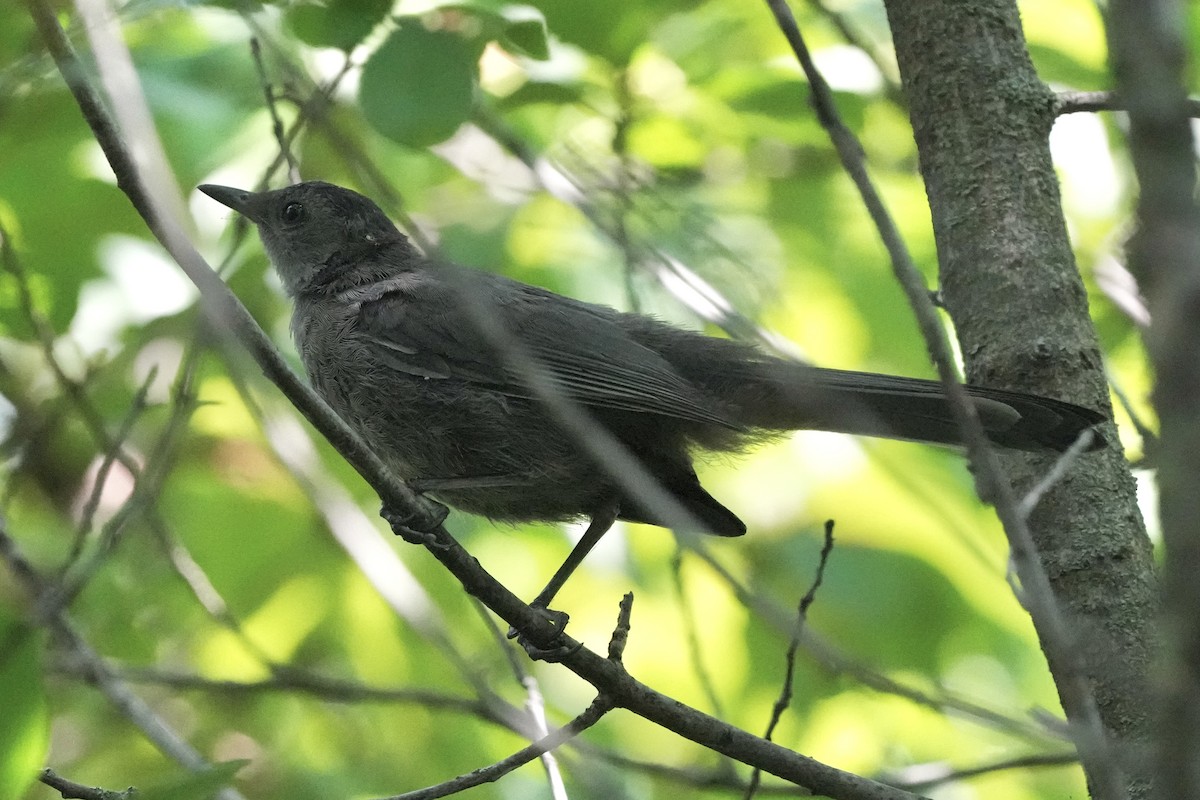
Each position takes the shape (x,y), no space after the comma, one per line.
(419,329)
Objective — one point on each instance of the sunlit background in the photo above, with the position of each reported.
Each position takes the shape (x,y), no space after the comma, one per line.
(688,127)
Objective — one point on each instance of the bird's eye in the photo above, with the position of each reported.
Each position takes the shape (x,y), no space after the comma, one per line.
(293,213)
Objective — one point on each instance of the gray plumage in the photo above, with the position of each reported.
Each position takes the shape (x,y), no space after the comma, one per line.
(385,339)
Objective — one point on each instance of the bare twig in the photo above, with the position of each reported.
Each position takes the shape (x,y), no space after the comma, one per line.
(146,490)
(691,632)
(784,701)
(285,148)
(923,777)
(334,690)
(838,663)
(883,61)
(69,790)
(90,506)
(620,634)
(1149,437)
(685,284)
(1057,472)
(535,705)
(1072,102)
(590,716)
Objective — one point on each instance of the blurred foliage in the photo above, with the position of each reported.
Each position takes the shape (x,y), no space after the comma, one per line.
(687,124)
(24,726)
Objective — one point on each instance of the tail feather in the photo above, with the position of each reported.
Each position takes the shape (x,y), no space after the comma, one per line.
(801,397)
(757,391)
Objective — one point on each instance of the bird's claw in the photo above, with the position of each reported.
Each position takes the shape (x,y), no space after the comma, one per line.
(556,653)
(417,528)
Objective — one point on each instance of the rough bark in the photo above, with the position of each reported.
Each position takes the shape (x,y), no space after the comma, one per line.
(981,118)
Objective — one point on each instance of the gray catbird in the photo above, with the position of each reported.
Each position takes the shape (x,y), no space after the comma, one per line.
(389,340)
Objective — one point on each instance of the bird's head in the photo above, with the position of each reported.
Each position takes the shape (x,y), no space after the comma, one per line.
(314,233)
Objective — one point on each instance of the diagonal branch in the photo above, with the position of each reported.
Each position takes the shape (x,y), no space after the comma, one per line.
(589,717)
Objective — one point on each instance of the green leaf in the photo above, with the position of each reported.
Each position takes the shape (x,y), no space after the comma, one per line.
(526,37)
(419,86)
(24,733)
(336,23)
(518,29)
(535,92)
(612,30)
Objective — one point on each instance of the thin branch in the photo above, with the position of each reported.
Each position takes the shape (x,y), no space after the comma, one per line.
(535,704)
(620,634)
(685,284)
(1058,471)
(923,777)
(146,490)
(313,101)
(88,515)
(590,716)
(498,711)
(838,663)
(292,680)
(784,701)
(1149,437)
(1073,102)
(883,60)
(285,149)
(69,790)
(691,632)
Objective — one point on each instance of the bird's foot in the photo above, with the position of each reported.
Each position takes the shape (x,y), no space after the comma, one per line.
(417,528)
(550,652)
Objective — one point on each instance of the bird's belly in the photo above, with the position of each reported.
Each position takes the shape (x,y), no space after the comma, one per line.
(499,455)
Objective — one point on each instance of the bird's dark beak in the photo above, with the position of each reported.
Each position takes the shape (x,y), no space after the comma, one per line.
(239,200)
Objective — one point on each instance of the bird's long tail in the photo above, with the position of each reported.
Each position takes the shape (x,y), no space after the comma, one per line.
(792,396)
(757,391)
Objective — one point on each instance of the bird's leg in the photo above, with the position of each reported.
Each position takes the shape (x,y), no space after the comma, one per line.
(602,521)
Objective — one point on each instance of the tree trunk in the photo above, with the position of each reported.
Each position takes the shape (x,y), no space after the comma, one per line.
(1008,277)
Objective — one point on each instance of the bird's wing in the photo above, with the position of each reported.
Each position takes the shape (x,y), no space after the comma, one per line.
(425,327)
